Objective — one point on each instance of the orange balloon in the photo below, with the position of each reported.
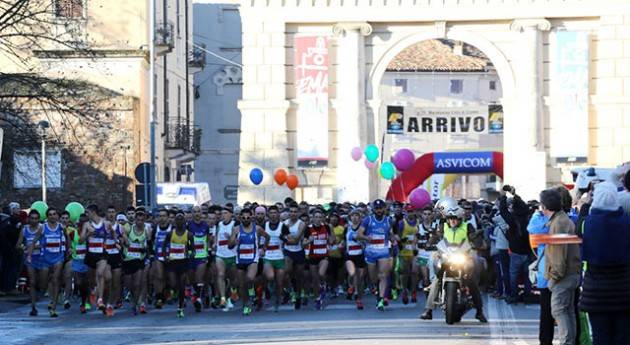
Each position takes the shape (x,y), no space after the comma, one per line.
(292,182)
(280,176)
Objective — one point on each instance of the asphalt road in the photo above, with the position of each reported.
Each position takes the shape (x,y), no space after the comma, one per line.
(339,323)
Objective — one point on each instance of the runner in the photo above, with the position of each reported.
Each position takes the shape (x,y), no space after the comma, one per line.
(426,241)
(294,253)
(319,238)
(114,259)
(377,231)
(33,259)
(245,238)
(53,244)
(78,251)
(197,265)
(211,271)
(408,230)
(355,260)
(335,257)
(95,233)
(67,265)
(136,244)
(162,228)
(225,260)
(274,257)
(179,244)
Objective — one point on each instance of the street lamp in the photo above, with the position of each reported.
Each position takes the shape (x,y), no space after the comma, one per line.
(43,125)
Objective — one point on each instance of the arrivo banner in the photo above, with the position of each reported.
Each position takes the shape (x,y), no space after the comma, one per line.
(450,120)
(311,82)
(462,162)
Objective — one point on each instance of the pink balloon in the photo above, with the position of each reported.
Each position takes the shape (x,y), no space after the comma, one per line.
(369,164)
(356,153)
(403,159)
(419,198)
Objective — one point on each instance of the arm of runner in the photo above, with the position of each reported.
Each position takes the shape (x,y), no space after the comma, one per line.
(233,238)
(36,239)
(361,232)
(190,246)
(86,231)
(167,239)
(19,245)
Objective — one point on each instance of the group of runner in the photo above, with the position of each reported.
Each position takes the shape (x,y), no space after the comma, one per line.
(215,255)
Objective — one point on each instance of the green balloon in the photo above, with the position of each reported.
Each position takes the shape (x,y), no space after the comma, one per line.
(371,153)
(388,170)
(75,209)
(40,207)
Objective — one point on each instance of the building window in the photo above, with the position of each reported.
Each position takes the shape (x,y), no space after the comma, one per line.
(27,169)
(457,86)
(69,8)
(401,85)
(179,103)
(492,85)
(177,17)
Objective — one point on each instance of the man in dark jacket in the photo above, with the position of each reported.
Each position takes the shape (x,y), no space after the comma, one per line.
(11,258)
(516,215)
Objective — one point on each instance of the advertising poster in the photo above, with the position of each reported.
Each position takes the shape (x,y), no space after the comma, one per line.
(395,119)
(455,120)
(311,82)
(495,119)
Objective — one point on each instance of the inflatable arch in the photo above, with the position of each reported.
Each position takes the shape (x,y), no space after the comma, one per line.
(444,163)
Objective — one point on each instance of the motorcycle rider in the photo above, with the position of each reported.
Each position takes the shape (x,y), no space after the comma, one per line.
(455,232)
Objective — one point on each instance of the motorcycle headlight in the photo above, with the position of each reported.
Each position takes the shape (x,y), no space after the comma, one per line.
(457,258)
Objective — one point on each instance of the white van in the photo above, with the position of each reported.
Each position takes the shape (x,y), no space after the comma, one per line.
(182,195)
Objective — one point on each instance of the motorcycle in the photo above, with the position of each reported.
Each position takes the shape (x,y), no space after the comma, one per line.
(455,263)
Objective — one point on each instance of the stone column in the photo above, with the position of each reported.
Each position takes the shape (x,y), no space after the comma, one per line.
(352,177)
(525,163)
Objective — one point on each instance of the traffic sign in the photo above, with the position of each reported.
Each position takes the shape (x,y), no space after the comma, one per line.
(143,172)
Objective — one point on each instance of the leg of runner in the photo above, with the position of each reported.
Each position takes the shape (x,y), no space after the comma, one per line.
(115,290)
(158,282)
(247,277)
(279,273)
(136,288)
(80,279)
(181,290)
(415,275)
(405,277)
(101,271)
(220,281)
(352,278)
(173,280)
(360,277)
(67,284)
(384,271)
(269,276)
(55,281)
(200,273)
(44,282)
(322,268)
(144,288)
(32,280)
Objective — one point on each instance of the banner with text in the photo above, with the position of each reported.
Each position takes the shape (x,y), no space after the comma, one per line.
(311,82)
(456,120)
(463,162)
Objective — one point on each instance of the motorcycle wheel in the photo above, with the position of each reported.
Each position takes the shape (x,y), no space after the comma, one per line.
(451,311)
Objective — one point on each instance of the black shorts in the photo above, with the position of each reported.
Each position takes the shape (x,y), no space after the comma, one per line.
(115,260)
(177,266)
(334,265)
(315,261)
(261,267)
(298,258)
(243,267)
(357,260)
(91,259)
(132,266)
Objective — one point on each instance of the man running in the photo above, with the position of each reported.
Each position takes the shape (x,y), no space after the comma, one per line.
(201,239)
(95,232)
(225,260)
(33,260)
(294,253)
(67,265)
(355,260)
(78,250)
(274,256)
(319,238)
(113,248)
(136,244)
(335,257)
(408,230)
(378,232)
(161,229)
(245,238)
(179,244)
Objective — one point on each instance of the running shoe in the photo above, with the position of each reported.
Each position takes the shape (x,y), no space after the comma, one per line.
(197,304)
(405,297)
(118,304)
(66,304)
(293,298)
(394,294)
(33,312)
(247,310)
(109,311)
(359,304)
(229,304)
(339,290)
(88,306)
(386,301)
(53,313)
(350,292)
(233,295)
(414,298)
(380,305)
(50,306)
(143,309)
(83,309)
(159,304)
(180,313)
(101,305)
(223,303)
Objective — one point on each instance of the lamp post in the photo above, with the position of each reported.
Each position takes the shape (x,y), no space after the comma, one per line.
(124,182)
(43,125)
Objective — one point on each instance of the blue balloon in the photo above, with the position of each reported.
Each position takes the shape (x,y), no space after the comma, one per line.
(256,176)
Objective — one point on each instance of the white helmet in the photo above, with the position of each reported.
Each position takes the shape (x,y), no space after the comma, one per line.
(456,211)
(445,204)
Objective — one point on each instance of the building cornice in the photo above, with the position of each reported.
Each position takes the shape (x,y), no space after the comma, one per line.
(541,24)
(90,53)
(340,29)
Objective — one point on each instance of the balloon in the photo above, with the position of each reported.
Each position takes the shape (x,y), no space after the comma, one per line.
(256,176)
(369,164)
(403,159)
(280,176)
(356,153)
(75,209)
(40,207)
(292,182)
(371,153)
(388,170)
(419,198)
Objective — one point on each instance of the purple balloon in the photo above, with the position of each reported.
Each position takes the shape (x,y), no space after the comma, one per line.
(419,198)
(356,153)
(369,164)
(403,159)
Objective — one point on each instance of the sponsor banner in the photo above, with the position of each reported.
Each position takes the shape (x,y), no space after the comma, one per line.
(311,82)
(395,119)
(495,119)
(462,162)
(569,94)
(456,120)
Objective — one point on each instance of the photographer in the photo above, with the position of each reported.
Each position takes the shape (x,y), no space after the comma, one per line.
(515,212)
